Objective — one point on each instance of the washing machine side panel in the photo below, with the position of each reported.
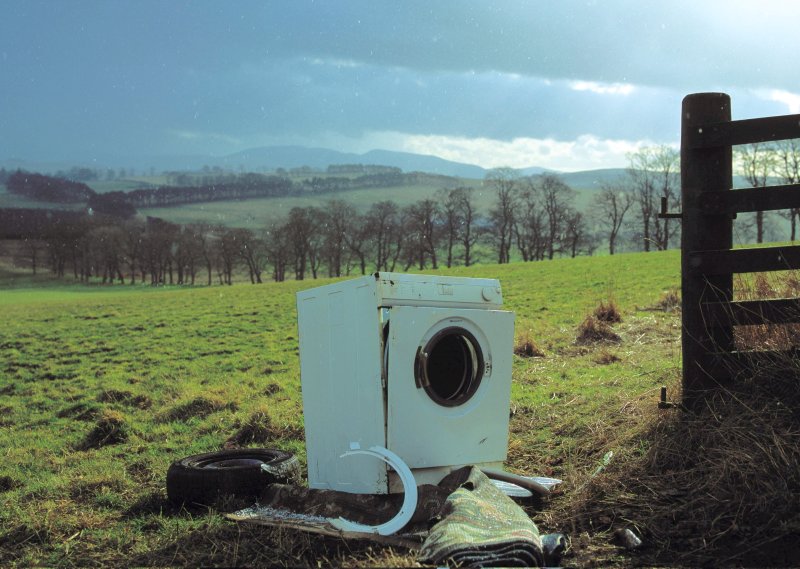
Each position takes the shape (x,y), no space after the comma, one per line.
(340,361)
(426,434)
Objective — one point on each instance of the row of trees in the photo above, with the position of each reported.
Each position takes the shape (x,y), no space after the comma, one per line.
(206,188)
(530,219)
(309,242)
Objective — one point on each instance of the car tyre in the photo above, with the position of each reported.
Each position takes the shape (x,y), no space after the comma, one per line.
(202,479)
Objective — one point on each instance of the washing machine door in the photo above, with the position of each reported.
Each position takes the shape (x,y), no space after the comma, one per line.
(448,385)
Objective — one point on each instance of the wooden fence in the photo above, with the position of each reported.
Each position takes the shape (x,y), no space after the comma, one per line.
(708,260)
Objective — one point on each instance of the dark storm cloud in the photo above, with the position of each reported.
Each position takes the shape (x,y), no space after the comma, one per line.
(89,78)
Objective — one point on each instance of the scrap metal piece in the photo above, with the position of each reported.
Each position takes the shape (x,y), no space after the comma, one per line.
(409,488)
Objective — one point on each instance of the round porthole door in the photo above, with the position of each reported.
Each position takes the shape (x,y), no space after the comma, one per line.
(450,365)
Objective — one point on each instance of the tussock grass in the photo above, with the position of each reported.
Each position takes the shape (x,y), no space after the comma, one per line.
(594,331)
(111,428)
(257,429)
(670,300)
(526,347)
(607,312)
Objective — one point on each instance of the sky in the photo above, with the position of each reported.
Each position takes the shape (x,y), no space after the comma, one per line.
(568,84)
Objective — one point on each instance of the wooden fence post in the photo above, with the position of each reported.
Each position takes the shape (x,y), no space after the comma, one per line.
(702,170)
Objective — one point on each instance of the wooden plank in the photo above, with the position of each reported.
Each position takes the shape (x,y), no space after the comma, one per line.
(747,131)
(725,262)
(769,198)
(752,312)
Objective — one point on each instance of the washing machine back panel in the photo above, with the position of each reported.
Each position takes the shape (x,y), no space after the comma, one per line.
(340,360)
(466,427)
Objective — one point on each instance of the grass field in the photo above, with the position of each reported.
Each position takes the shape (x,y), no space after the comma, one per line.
(103,387)
(256,213)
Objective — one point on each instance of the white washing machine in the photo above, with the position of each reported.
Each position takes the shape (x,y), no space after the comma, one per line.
(420,365)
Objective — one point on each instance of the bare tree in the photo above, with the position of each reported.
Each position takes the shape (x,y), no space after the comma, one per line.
(501,230)
(386,232)
(29,253)
(577,237)
(252,251)
(359,241)
(339,219)
(133,235)
(226,253)
(304,239)
(653,173)
(756,162)
(529,222)
(451,220)
(422,227)
(106,247)
(277,243)
(467,211)
(788,170)
(557,199)
(667,171)
(610,207)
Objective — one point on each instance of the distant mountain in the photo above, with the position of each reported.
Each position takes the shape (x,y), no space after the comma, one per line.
(593,179)
(273,157)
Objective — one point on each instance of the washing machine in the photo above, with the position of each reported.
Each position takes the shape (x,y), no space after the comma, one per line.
(417,364)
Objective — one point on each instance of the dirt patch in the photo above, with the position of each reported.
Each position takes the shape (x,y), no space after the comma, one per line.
(84,490)
(257,429)
(7,483)
(202,406)
(261,428)
(79,412)
(125,398)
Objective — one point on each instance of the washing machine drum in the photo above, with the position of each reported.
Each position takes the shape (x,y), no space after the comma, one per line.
(449,366)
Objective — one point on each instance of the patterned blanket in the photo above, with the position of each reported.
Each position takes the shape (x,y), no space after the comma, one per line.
(479,526)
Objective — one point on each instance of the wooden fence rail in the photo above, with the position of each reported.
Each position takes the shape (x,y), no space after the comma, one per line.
(708,260)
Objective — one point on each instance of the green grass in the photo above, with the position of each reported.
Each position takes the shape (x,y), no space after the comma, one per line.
(256,213)
(180,370)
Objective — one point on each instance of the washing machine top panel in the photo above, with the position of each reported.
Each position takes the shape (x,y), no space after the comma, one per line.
(401,289)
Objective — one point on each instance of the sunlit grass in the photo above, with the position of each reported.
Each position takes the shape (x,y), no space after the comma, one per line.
(182,371)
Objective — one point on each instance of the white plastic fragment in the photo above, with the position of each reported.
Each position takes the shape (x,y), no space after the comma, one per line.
(409,488)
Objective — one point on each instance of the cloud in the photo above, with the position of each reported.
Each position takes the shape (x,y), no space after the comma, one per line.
(602,88)
(791,100)
(204,137)
(586,152)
